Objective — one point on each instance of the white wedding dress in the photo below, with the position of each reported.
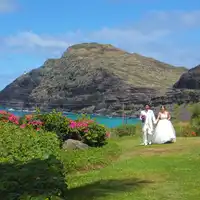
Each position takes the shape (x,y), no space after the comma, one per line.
(164,131)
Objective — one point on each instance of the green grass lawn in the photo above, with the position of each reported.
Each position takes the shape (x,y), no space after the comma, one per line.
(169,171)
(154,172)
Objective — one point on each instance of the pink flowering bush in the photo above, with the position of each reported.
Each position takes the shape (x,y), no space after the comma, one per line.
(90,131)
(31,121)
(8,117)
(84,129)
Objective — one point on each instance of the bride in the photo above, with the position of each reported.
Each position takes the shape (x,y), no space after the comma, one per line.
(164,131)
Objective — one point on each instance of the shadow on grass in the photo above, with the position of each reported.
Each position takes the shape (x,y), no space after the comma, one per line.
(42,179)
(105,188)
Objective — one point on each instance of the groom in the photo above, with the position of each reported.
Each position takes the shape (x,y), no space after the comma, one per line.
(148,120)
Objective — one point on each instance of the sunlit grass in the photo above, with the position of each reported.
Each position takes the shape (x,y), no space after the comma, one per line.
(144,173)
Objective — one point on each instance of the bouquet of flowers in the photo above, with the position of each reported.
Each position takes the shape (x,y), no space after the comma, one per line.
(143,117)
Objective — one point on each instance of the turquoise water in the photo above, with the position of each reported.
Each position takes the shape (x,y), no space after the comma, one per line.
(107,121)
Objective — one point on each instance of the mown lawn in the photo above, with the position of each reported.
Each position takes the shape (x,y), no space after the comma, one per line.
(169,171)
(154,172)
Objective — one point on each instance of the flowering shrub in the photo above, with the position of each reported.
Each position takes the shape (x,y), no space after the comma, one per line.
(185,129)
(84,129)
(8,117)
(190,134)
(195,124)
(89,131)
(95,135)
(108,134)
(30,121)
(193,133)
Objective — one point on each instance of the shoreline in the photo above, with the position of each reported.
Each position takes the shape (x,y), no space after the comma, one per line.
(68,112)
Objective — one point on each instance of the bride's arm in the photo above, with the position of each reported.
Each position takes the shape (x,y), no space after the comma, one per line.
(158,117)
(153,117)
(168,116)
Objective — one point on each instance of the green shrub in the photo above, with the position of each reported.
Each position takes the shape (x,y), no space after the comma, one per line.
(176,112)
(18,144)
(55,122)
(125,130)
(195,119)
(84,129)
(195,125)
(91,158)
(89,131)
(195,111)
(184,129)
(29,164)
(36,179)
(95,136)
(178,129)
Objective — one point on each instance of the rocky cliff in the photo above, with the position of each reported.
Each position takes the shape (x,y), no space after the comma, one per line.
(92,77)
(190,79)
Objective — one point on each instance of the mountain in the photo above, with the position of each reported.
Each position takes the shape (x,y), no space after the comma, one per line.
(185,90)
(92,77)
(190,79)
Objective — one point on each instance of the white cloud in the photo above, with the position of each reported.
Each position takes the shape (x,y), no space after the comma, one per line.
(156,35)
(32,40)
(55,45)
(7,6)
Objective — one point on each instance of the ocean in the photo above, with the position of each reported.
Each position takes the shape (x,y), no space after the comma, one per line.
(110,122)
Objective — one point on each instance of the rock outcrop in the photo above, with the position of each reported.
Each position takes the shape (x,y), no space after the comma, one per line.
(74,144)
(92,78)
(190,79)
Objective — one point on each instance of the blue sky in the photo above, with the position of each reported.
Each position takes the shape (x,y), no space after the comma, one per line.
(32,31)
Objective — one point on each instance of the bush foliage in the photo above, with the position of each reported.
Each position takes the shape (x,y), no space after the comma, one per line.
(184,129)
(192,127)
(28,163)
(18,144)
(55,122)
(34,166)
(36,179)
(195,119)
(84,129)
(124,130)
